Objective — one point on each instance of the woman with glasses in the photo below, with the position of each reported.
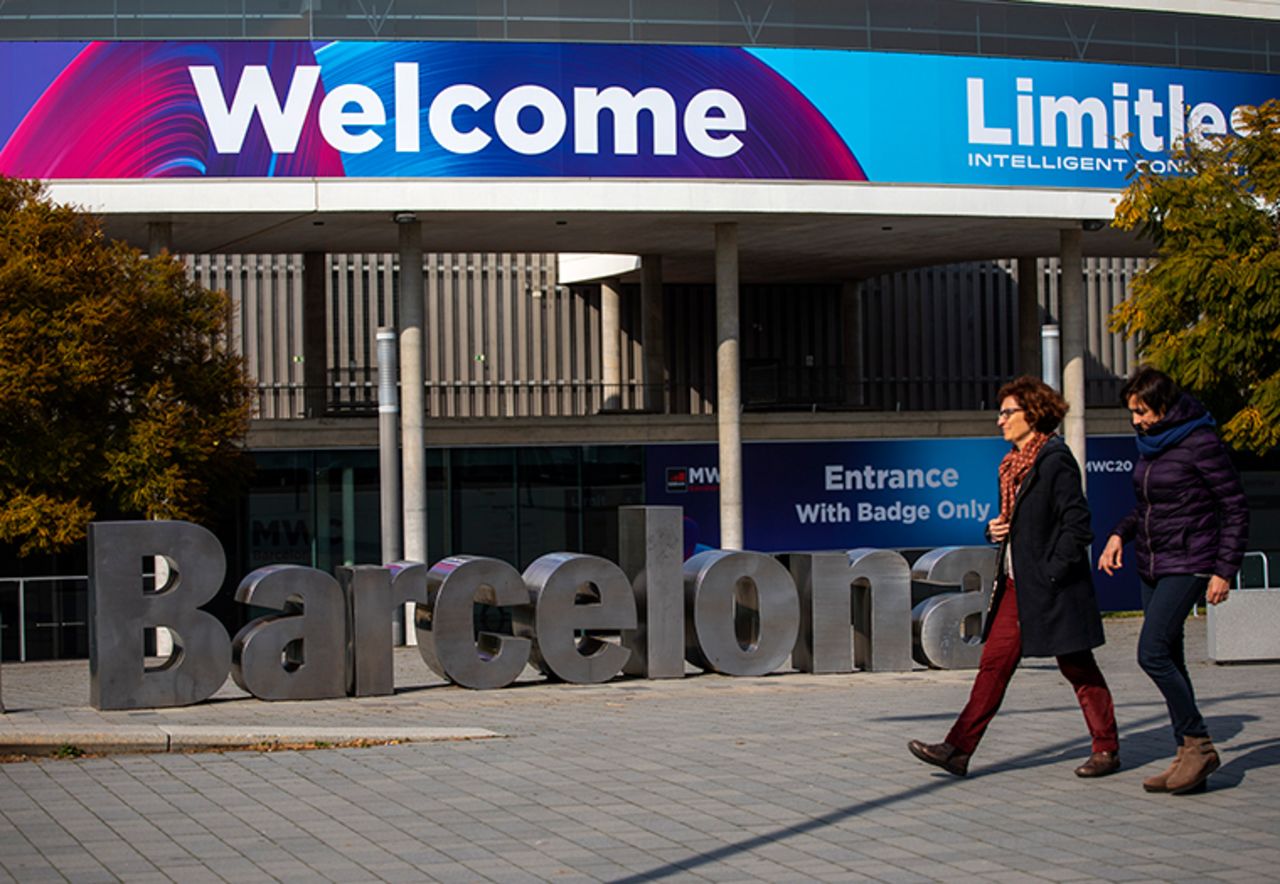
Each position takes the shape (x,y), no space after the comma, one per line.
(1043,604)
(1189,527)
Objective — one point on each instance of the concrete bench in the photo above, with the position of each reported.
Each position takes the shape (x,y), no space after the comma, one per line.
(1245,627)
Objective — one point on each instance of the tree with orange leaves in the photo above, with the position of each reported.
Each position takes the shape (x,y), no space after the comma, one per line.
(117,397)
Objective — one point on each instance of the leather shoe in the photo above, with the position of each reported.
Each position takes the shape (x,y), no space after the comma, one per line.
(1100,764)
(942,755)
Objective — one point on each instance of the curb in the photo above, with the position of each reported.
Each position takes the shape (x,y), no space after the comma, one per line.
(185,738)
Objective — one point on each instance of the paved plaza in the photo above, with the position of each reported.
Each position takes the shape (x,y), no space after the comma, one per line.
(790,777)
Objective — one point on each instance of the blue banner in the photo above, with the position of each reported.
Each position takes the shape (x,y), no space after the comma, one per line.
(1001,121)
(144,109)
(895,494)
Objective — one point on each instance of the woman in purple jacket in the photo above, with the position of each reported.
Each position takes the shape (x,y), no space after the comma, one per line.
(1190,527)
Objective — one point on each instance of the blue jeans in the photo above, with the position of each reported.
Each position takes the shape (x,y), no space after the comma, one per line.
(1160,648)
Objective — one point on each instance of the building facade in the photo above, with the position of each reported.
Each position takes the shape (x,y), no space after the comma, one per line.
(908,210)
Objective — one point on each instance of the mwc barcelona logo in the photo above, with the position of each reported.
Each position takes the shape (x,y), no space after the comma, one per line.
(682,479)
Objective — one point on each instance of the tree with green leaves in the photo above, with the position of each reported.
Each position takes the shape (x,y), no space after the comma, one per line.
(1207,310)
(116,396)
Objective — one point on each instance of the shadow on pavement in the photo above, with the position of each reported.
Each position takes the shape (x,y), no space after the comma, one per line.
(1137,748)
(1262,753)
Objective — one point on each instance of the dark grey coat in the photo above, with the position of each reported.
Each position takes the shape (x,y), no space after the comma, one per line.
(1050,535)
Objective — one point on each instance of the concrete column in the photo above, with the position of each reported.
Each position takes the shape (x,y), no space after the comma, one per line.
(159,237)
(389,512)
(851,335)
(651,331)
(1074,326)
(1051,356)
(315,266)
(412,392)
(728,386)
(611,344)
(1029,361)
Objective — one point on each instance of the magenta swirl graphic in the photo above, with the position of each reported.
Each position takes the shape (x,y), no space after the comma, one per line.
(129,110)
(263,109)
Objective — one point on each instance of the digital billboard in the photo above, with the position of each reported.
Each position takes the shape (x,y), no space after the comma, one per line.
(156,110)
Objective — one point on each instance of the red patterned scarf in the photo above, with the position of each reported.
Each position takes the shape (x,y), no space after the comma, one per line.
(1014,468)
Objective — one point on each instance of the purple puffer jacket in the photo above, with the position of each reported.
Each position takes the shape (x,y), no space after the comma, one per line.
(1191,516)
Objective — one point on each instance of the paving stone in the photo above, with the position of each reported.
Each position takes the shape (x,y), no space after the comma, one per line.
(707,778)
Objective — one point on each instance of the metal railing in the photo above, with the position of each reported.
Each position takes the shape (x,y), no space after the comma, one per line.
(765,388)
(352,398)
(1264,559)
(80,582)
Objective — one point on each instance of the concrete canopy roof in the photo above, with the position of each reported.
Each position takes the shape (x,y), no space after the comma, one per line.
(788,231)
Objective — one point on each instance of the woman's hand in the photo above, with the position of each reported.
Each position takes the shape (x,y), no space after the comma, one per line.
(1217,591)
(1112,554)
(998,529)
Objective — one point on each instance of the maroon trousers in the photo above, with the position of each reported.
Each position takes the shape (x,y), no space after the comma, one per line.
(1000,657)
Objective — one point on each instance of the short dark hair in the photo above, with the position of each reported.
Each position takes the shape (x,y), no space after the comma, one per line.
(1044,406)
(1154,389)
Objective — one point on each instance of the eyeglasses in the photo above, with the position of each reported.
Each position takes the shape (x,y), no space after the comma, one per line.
(1007,412)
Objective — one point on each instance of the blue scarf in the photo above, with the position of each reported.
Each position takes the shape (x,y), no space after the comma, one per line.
(1152,444)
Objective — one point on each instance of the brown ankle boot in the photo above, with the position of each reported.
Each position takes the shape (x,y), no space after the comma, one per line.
(1160,782)
(1199,759)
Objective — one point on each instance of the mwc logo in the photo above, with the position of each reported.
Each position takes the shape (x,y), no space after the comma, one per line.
(677,479)
(681,479)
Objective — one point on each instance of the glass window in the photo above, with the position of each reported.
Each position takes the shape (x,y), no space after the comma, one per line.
(957,17)
(348,511)
(904,27)
(482,505)
(323,509)
(1156,43)
(1096,37)
(422,20)
(594,20)
(984,27)
(276,20)
(56,619)
(612,476)
(171,19)
(280,511)
(1220,43)
(548,489)
(9,646)
(438,511)
(852,37)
